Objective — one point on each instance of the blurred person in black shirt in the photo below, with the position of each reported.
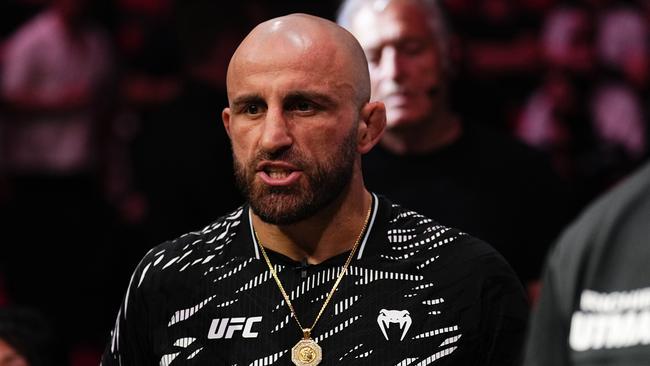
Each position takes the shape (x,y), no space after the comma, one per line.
(594,307)
(461,174)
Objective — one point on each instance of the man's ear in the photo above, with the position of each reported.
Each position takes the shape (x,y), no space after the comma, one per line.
(225,117)
(372,123)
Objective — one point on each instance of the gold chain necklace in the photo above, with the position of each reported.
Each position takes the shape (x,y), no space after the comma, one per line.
(307,352)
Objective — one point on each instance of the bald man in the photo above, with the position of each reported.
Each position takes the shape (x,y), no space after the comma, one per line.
(314,269)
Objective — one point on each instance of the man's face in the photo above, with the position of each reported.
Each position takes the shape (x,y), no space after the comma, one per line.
(9,356)
(292,121)
(405,69)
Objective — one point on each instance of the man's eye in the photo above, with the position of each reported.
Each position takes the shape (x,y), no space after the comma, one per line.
(304,106)
(412,48)
(252,109)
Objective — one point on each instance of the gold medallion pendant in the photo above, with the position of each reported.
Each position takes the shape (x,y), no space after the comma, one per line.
(306,353)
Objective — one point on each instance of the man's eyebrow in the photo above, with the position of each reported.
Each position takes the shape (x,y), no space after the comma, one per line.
(247,99)
(317,97)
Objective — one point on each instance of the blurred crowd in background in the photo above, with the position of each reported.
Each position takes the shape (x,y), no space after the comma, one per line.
(111,138)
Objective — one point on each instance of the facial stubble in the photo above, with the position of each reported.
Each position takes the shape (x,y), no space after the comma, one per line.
(324,182)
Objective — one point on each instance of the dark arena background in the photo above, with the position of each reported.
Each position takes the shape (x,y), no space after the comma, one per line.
(105,161)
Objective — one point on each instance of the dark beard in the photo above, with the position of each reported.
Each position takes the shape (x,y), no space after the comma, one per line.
(288,205)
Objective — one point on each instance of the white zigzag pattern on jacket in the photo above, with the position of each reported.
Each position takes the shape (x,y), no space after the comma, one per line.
(268,360)
(434,234)
(282,323)
(344,304)
(350,351)
(436,356)
(436,332)
(416,289)
(185,314)
(370,275)
(407,361)
(215,268)
(193,354)
(313,281)
(234,270)
(259,279)
(337,329)
(168,358)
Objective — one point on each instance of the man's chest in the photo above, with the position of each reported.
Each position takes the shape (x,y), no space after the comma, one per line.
(236,315)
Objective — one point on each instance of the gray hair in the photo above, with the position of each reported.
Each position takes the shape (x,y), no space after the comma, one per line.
(435,18)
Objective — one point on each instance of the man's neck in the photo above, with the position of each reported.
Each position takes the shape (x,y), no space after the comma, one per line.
(331,231)
(424,137)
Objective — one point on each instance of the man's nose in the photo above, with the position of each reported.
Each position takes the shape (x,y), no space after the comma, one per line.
(276,133)
(391,65)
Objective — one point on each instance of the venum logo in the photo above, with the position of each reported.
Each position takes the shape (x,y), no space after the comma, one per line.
(226,327)
(387,317)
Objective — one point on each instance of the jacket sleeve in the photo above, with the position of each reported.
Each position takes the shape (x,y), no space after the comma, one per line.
(548,333)
(129,343)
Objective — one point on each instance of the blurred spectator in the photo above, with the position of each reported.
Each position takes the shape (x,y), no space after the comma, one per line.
(622,43)
(180,151)
(499,58)
(56,87)
(10,357)
(477,180)
(150,49)
(555,118)
(501,38)
(594,128)
(14,13)
(54,73)
(26,339)
(594,307)
(620,105)
(620,127)
(566,40)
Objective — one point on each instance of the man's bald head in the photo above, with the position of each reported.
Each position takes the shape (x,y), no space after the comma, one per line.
(304,41)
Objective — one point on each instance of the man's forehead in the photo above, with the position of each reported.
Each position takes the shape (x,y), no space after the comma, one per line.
(280,72)
(293,48)
(280,54)
(396,22)
(290,40)
(280,58)
(283,84)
